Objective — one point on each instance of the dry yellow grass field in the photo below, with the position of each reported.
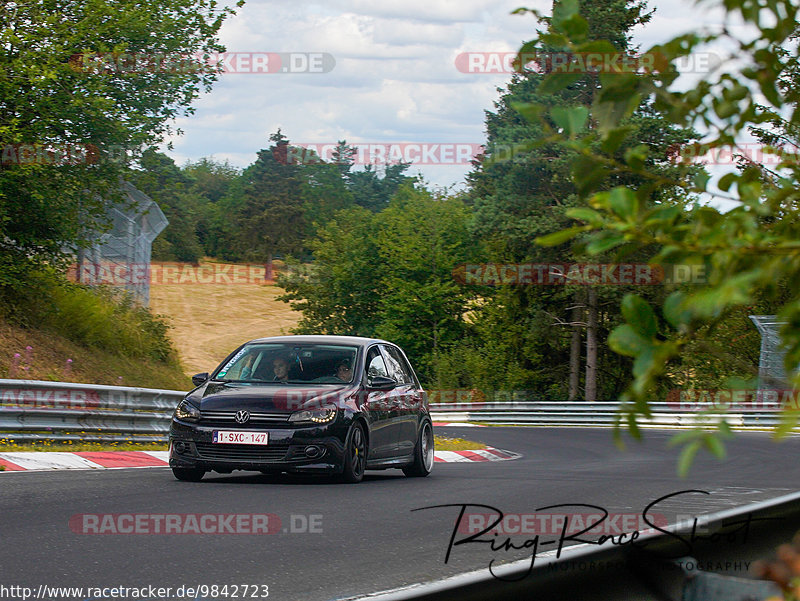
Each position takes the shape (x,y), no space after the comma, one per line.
(210,320)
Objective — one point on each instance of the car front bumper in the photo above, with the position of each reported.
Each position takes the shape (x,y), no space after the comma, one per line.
(289,449)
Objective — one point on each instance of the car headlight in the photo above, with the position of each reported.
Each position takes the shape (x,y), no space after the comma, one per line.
(318,416)
(187,412)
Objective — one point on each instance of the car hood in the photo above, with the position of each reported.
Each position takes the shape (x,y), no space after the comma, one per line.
(222,396)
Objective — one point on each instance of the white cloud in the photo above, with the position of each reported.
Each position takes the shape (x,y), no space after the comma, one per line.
(448,11)
(395,77)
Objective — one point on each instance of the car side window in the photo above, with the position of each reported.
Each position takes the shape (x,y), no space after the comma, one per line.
(394,363)
(401,365)
(375,363)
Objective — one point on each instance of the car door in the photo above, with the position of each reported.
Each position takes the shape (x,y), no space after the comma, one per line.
(383,442)
(405,400)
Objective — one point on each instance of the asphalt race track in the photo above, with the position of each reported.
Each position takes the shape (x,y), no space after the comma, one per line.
(347,540)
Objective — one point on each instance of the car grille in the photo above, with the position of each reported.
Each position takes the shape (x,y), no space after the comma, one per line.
(228,418)
(242,452)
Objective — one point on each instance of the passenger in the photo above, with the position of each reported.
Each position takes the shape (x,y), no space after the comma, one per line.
(281,368)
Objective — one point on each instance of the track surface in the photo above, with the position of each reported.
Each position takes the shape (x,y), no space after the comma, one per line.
(370,540)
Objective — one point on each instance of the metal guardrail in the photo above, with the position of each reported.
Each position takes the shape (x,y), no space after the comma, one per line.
(35,410)
(656,566)
(597,414)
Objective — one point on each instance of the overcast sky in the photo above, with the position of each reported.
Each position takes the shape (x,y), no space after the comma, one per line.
(387,73)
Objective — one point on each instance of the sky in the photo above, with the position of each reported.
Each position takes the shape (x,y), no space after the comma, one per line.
(406,78)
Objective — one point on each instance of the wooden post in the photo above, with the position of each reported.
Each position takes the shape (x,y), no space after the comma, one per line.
(591,345)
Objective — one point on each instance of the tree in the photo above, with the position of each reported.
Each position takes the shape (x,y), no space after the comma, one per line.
(751,251)
(421,240)
(71,98)
(165,183)
(325,189)
(272,217)
(389,274)
(521,189)
(341,293)
(212,182)
(372,191)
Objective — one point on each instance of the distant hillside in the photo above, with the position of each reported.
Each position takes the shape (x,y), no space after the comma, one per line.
(47,359)
(209,320)
(75,339)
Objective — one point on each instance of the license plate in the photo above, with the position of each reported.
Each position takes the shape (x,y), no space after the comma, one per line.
(233,437)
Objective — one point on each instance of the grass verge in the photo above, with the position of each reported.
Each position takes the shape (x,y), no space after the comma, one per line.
(44,355)
(72,447)
(444,443)
(441,443)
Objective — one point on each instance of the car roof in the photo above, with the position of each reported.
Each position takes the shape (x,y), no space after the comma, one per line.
(350,340)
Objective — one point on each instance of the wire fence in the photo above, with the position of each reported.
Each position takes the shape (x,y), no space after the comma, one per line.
(771,364)
(121,256)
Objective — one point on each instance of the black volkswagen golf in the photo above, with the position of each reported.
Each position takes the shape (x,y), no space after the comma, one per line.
(328,404)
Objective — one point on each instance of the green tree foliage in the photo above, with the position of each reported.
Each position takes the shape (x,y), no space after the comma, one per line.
(212,182)
(389,274)
(778,131)
(325,189)
(421,241)
(522,188)
(170,187)
(271,216)
(340,294)
(751,251)
(372,191)
(68,91)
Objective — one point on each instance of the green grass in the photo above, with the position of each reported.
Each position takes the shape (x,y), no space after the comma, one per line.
(54,330)
(442,443)
(48,446)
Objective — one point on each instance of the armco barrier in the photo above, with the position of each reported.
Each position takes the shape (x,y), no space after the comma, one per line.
(663,565)
(35,410)
(596,414)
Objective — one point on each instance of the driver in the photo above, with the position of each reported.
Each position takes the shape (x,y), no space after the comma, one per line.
(343,370)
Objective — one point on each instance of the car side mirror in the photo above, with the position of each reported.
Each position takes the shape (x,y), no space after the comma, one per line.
(381,383)
(198,379)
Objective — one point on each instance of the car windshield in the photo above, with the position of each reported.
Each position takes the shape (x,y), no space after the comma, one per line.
(286,363)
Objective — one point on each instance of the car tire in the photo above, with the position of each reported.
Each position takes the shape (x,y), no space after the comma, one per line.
(355,455)
(423,453)
(189,474)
